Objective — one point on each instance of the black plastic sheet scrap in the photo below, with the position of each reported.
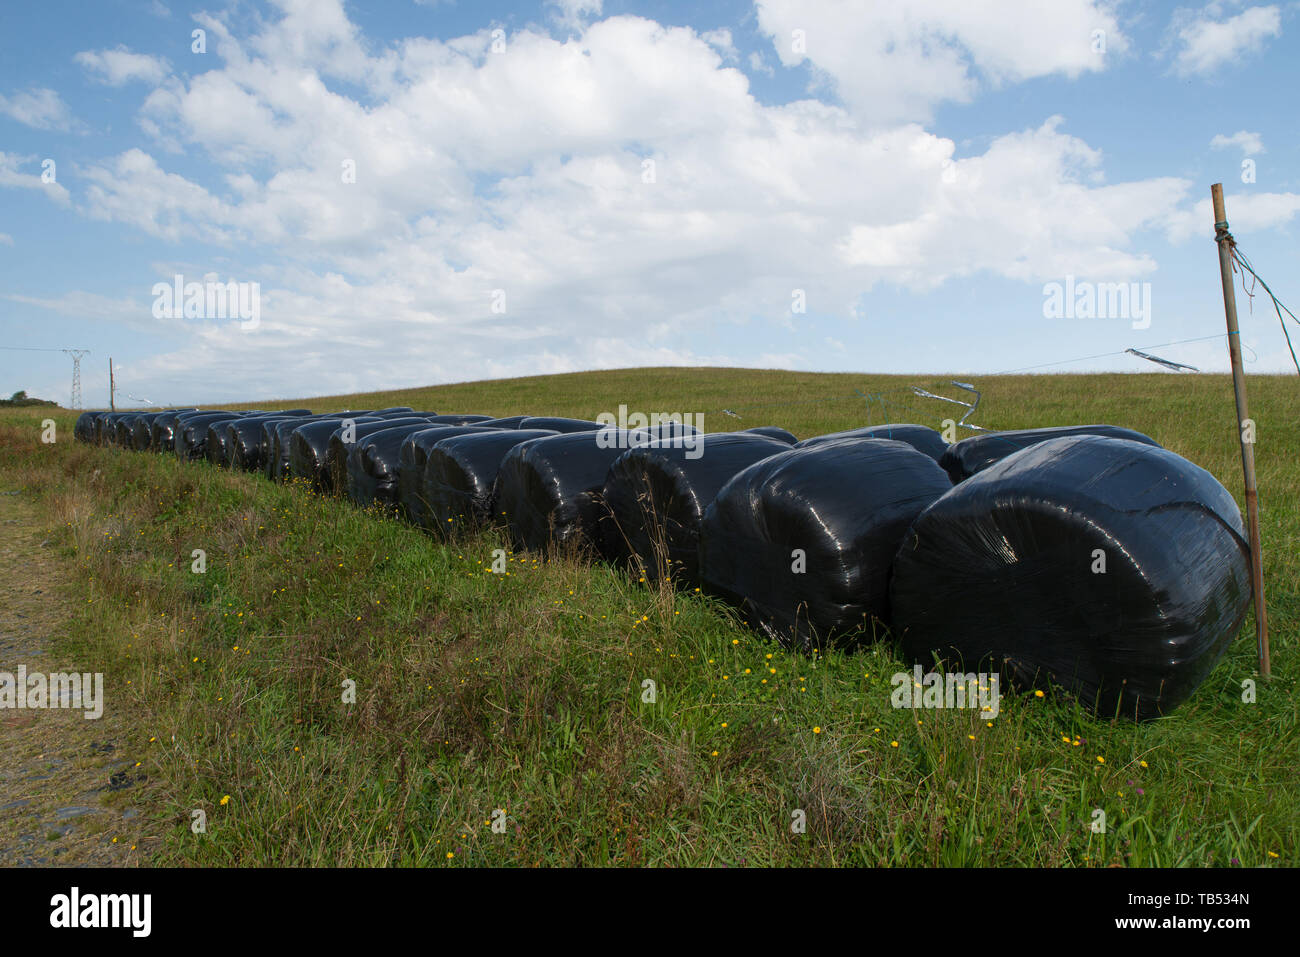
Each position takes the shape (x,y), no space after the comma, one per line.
(920,437)
(774,432)
(460,472)
(970,456)
(559,424)
(803,541)
(549,489)
(411,460)
(658,494)
(1113,569)
(335,476)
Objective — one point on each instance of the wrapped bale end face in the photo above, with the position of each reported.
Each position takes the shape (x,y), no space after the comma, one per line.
(142,430)
(549,490)
(375,464)
(411,461)
(1115,570)
(920,437)
(248,437)
(309,448)
(973,455)
(803,541)
(217,446)
(191,435)
(657,495)
(454,490)
(84,430)
(345,438)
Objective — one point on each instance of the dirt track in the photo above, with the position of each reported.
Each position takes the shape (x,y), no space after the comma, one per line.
(66,783)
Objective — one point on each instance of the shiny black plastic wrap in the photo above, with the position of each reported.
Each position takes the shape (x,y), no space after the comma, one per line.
(411,459)
(141,430)
(104,429)
(971,456)
(469,418)
(920,437)
(191,433)
(162,431)
(803,541)
(1113,569)
(84,430)
(773,432)
(459,472)
(217,446)
(245,436)
(558,424)
(374,465)
(335,476)
(309,443)
(658,494)
(507,422)
(549,490)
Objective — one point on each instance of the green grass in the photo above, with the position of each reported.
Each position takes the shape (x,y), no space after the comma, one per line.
(523,692)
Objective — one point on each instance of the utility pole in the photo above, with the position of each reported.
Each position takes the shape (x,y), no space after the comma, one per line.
(1225,242)
(112,389)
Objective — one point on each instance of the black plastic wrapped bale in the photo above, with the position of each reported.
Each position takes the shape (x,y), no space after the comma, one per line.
(803,541)
(217,443)
(142,430)
(245,437)
(337,449)
(104,427)
(374,465)
(456,485)
(1115,570)
(272,455)
(411,460)
(162,431)
(84,430)
(192,434)
(549,490)
(971,456)
(393,410)
(774,432)
(658,495)
(276,462)
(508,422)
(558,424)
(122,430)
(920,437)
(469,418)
(309,445)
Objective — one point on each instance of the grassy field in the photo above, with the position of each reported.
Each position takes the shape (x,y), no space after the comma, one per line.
(483,697)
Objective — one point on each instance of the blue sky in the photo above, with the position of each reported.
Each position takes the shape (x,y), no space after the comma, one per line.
(915,174)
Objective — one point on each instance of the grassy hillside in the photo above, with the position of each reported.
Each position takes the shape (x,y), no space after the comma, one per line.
(520,696)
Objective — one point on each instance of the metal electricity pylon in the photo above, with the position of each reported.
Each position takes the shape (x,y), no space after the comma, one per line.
(76,374)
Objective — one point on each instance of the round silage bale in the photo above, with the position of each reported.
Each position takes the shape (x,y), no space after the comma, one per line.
(920,437)
(972,455)
(1113,569)
(803,541)
(549,489)
(774,432)
(658,493)
(557,423)
(411,462)
(459,474)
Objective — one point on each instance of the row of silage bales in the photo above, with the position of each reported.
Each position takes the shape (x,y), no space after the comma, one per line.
(819,542)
